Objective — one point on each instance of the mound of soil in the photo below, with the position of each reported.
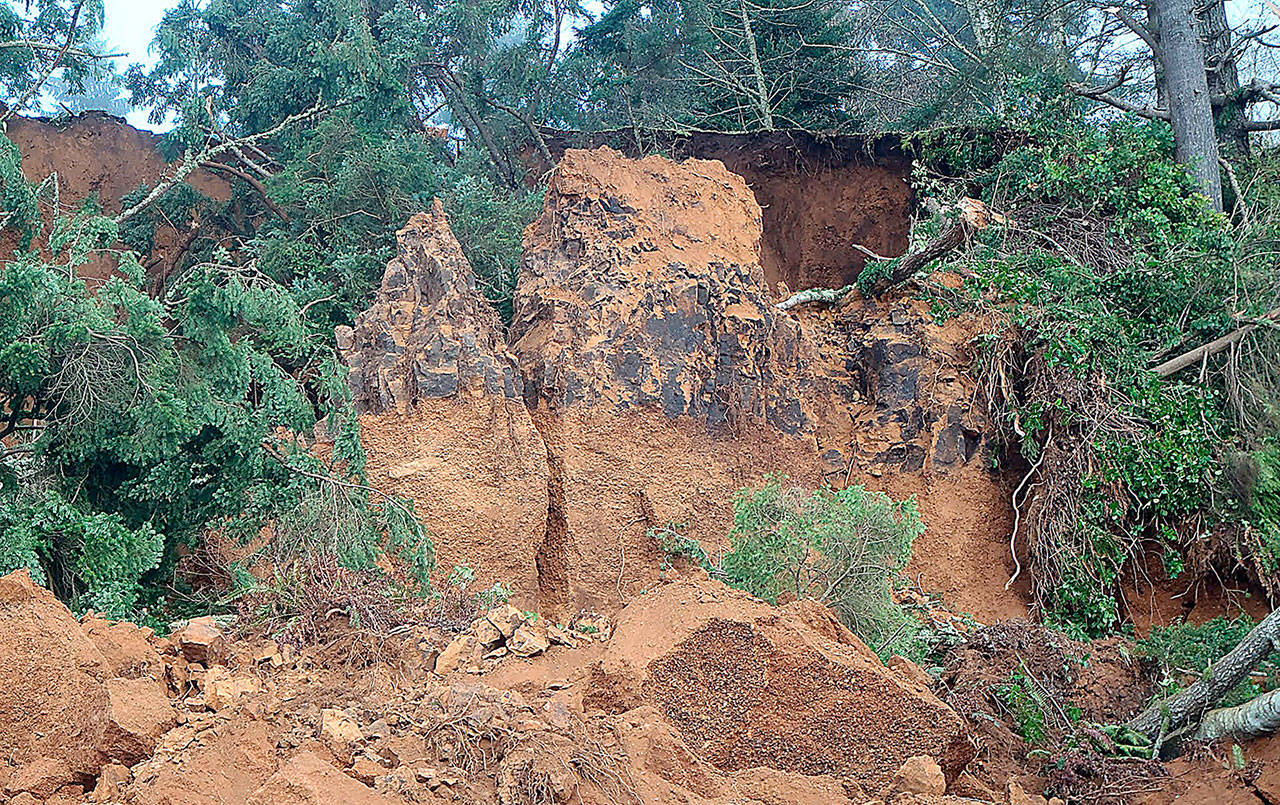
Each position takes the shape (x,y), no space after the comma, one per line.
(752,686)
(64,712)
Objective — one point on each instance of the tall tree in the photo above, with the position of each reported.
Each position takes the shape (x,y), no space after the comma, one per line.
(1190,109)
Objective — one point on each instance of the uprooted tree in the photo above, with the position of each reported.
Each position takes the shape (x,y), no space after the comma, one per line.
(1189,714)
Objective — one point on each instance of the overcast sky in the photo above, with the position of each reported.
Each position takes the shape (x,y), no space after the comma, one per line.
(130,26)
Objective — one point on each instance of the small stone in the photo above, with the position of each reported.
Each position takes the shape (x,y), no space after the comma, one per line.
(457,654)
(111,782)
(561,637)
(202,641)
(338,728)
(529,639)
(486,632)
(919,775)
(506,618)
(221,689)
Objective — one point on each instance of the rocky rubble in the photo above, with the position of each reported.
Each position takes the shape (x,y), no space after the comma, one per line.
(697,694)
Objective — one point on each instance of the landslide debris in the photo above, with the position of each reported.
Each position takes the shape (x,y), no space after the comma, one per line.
(605,713)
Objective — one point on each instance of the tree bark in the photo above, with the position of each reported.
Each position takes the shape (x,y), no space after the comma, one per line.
(1184,711)
(757,72)
(1255,718)
(1190,107)
(1194,356)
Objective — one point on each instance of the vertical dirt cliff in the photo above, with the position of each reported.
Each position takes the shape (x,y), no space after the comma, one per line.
(649,378)
(98,156)
(442,411)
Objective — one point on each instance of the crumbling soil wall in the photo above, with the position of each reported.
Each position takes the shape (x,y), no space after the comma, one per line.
(443,420)
(658,379)
(821,197)
(96,155)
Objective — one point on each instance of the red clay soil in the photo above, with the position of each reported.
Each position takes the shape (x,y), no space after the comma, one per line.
(821,196)
(821,720)
(98,155)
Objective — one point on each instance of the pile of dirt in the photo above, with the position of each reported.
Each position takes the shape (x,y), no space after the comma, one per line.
(696,695)
(753,686)
(68,708)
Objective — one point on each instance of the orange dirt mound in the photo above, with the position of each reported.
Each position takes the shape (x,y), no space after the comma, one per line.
(753,686)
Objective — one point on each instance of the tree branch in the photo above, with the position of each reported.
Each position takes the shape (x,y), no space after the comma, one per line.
(1192,357)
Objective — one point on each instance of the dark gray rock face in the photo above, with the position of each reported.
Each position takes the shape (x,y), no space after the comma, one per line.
(429,333)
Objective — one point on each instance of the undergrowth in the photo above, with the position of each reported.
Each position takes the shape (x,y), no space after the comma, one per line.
(844,548)
(1108,264)
(1185,652)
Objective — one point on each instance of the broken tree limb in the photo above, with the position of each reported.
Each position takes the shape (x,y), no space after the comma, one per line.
(827,295)
(1255,718)
(1195,356)
(974,216)
(1184,710)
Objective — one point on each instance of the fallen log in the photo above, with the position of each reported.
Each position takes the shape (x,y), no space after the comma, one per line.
(1192,357)
(827,295)
(1183,712)
(974,216)
(1255,718)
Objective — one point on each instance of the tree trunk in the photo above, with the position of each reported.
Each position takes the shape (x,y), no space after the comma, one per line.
(1190,109)
(1184,711)
(1255,718)
(763,101)
(974,216)
(1229,107)
(1153,25)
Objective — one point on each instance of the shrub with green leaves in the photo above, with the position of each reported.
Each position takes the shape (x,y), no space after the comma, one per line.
(1025,706)
(1109,264)
(843,548)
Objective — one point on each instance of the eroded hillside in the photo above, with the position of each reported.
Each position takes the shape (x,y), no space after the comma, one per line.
(646,377)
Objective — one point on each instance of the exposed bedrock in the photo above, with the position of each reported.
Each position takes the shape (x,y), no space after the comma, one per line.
(648,378)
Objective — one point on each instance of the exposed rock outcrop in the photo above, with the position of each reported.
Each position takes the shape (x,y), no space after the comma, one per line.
(656,368)
(642,286)
(443,418)
(429,334)
(661,380)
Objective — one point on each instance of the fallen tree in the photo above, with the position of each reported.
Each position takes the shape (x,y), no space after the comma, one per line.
(882,273)
(1189,713)
(1200,353)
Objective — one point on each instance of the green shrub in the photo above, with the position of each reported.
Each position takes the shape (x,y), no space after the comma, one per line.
(1025,706)
(840,547)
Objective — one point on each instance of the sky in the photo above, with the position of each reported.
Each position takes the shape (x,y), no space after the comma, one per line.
(130,25)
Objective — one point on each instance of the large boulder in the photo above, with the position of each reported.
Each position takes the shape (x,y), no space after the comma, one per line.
(442,415)
(63,715)
(749,685)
